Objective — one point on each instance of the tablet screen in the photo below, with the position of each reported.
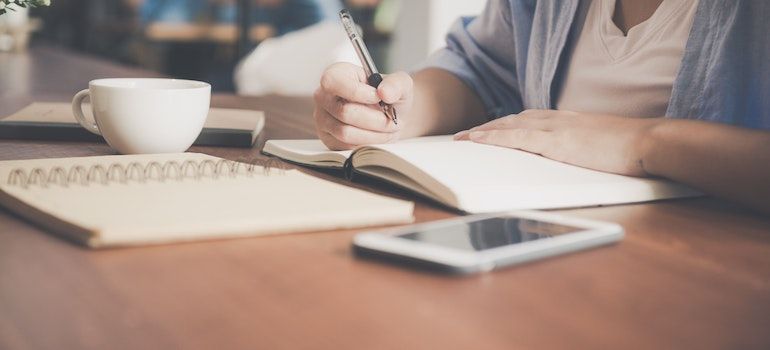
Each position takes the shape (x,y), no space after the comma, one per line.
(489,233)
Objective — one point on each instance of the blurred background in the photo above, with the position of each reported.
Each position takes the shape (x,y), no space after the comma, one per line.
(251,47)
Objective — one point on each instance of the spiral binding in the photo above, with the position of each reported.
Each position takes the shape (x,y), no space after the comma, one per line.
(142,172)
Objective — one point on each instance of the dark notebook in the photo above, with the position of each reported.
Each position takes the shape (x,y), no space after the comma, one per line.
(54,121)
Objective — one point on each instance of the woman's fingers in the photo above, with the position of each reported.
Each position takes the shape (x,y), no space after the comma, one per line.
(348,81)
(348,134)
(334,144)
(347,110)
(529,119)
(369,117)
(330,141)
(530,140)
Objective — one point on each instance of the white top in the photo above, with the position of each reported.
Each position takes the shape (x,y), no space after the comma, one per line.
(628,75)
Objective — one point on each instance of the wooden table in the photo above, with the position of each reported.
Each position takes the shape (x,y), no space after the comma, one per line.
(691,274)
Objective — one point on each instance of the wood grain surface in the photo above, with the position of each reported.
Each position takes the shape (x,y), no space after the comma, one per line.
(690,274)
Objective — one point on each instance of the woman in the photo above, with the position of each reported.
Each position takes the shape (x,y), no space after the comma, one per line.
(671,88)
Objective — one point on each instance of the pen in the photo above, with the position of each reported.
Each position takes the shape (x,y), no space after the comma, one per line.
(373,77)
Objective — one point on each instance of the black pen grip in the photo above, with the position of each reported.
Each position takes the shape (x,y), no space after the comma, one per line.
(374,80)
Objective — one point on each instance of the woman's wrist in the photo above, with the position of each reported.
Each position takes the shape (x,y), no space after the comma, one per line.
(652,145)
(443,104)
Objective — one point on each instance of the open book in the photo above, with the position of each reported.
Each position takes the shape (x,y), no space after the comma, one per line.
(139,199)
(479,178)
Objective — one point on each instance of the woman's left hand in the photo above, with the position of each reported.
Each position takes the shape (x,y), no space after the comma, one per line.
(602,142)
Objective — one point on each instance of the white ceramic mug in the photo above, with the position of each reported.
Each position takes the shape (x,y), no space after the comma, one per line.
(145,115)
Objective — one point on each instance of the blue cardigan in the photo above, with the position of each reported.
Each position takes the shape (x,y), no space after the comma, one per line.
(513,56)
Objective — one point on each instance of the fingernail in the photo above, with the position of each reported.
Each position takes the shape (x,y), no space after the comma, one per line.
(460,134)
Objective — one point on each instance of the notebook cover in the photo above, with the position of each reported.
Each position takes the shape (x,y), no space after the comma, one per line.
(49,121)
(73,132)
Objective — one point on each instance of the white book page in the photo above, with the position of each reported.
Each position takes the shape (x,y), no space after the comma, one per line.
(309,152)
(314,152)
(490,178)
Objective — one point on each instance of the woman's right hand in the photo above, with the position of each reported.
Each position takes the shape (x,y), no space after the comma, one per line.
(347,113)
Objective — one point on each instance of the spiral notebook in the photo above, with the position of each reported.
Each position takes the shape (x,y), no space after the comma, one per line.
(480,178)
(142,199)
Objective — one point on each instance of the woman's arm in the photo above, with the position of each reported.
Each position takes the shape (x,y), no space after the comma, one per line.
(478,65)
(442,105)
(722,160)
(719,159)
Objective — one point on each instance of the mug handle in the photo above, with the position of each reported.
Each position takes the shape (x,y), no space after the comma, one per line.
(77,110)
